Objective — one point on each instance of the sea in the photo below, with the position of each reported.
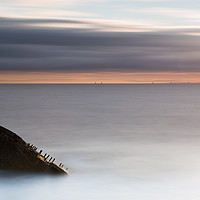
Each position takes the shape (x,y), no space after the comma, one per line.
(119,142)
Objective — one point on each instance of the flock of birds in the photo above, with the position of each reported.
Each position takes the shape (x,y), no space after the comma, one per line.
(45,156)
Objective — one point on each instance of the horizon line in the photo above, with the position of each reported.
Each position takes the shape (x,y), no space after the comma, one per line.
(99,83)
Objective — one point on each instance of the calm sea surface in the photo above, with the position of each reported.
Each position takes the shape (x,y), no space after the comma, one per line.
(120,142)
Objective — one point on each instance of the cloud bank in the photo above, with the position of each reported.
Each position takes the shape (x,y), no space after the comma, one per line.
(34,45)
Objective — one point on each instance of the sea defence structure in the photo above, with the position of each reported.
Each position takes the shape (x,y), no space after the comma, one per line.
(17,155)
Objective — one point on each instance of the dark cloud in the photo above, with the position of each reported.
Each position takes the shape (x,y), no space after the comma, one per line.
(26,47)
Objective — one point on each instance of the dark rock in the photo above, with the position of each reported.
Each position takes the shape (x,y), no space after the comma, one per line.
(17,155)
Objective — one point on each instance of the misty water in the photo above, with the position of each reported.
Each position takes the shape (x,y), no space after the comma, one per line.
(120,142)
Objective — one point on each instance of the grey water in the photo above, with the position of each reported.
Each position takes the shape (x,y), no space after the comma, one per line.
(119,142)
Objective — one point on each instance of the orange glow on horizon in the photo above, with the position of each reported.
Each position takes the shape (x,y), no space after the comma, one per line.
(105,77)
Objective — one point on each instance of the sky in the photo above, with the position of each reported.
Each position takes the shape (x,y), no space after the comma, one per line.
(87,41)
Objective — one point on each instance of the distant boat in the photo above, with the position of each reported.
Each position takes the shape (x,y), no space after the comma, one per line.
(98,83)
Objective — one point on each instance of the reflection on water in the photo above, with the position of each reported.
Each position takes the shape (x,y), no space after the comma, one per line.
(119,142)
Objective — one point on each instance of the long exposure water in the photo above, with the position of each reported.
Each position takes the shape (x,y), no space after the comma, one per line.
(120,142)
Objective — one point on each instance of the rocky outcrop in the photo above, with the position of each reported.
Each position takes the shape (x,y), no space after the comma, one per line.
(17,155)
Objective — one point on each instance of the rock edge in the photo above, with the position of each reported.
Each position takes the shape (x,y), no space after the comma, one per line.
(17,155)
